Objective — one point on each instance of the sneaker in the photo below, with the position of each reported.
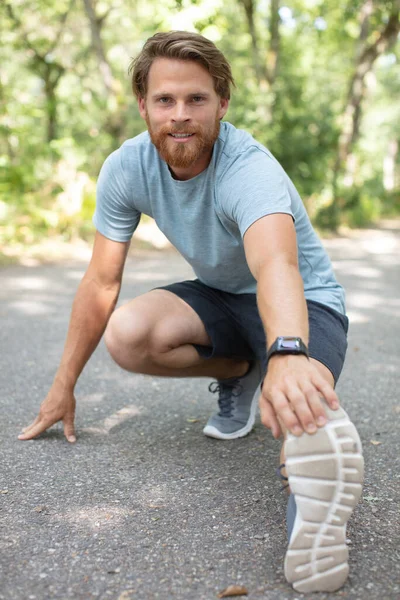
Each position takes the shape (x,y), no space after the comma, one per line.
(238,398)
(325,473)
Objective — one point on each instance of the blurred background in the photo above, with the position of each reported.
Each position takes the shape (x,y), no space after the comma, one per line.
(318,82)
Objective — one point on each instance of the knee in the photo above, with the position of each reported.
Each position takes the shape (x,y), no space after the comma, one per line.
(126,338)
(135,338)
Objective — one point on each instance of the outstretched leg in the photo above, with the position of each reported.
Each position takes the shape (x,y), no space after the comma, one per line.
(325,473)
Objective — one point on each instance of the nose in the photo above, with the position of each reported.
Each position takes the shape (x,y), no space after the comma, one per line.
(181,113)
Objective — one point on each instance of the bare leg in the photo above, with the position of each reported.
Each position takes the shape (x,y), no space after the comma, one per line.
(154,334)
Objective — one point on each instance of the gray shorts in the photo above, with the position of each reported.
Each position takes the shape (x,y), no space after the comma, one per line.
(234,326)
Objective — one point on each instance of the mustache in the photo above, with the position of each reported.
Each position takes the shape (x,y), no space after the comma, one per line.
(169,130)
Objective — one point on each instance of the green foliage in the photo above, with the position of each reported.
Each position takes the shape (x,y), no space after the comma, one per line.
(59,118)
(359,207)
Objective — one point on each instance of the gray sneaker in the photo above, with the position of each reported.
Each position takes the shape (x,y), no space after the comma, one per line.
(238,398)
(325,473)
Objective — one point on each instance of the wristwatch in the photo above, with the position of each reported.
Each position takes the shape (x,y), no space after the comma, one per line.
(288,345)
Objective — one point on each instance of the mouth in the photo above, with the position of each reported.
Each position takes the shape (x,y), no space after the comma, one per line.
(181,136)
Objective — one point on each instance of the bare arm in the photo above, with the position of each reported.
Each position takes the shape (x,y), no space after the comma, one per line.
(293,386)
(94,303)
(92,307)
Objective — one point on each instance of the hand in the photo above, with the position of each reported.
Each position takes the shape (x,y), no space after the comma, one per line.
(59,405)
(291,395)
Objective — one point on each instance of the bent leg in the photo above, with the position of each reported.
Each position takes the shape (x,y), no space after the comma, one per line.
(154,335)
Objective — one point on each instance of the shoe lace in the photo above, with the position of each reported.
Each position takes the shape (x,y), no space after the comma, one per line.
(282,477)
(227,390)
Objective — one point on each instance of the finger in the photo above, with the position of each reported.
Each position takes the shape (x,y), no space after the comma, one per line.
(327,392)
(31,424)
(268,418)
(69,429)
(300,405)
(285,413)
(314,402)
(35,430)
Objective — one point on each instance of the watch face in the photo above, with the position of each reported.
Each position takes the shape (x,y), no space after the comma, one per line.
(289,343)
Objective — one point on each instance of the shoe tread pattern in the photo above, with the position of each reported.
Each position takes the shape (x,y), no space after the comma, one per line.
(325,473)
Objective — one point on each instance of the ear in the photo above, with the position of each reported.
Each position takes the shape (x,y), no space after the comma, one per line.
(142,107)
(223,107)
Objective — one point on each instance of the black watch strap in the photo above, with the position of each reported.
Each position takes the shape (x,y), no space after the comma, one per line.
(288,345)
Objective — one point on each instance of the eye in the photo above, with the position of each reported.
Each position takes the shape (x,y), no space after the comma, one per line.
(198,98)
(164,100)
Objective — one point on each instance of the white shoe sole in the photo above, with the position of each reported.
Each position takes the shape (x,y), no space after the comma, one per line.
(325,472)
(211,431)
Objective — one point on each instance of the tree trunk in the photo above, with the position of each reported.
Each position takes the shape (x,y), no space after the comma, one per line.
(260,69)
(351,116)
(265,62)
(274,44)
(115,124)
(6,126)
(389,166)
(97,44)
(50,72)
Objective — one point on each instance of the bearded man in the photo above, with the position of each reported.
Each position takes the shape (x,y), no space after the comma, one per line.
(265,316)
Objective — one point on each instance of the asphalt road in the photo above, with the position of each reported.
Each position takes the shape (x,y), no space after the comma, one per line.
(145,507)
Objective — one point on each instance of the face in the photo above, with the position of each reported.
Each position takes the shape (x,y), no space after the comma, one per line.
(182,112)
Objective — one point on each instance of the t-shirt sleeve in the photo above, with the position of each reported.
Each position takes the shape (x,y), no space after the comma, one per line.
(115,216)
(254,186)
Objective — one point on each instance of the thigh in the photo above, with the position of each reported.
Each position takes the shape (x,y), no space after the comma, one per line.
(162,317)
(218,319)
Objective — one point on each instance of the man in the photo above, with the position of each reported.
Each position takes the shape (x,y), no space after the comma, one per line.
(265,294)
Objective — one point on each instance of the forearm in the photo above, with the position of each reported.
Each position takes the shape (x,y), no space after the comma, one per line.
(91,310)
(281,300)
(293,386)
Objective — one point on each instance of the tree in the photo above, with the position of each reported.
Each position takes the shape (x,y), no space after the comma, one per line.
(383,36)
(114,123)
(265,53)
(41,60)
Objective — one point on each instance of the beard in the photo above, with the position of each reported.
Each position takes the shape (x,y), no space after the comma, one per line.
(183,155)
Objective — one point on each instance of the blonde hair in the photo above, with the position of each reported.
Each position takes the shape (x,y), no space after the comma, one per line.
(181,45)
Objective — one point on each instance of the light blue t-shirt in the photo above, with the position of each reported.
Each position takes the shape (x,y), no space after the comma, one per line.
(206,217)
